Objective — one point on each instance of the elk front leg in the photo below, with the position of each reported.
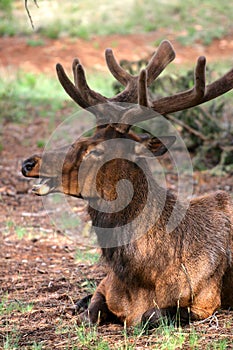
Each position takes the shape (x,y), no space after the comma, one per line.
(97,312)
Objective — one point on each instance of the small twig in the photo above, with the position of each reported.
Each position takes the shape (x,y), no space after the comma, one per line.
(210,319)
(28,12)
(187,127)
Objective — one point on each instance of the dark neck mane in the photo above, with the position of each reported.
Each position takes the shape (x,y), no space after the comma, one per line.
(118,232)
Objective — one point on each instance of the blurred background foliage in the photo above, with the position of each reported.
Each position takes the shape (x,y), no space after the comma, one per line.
(206,129)
(192,20)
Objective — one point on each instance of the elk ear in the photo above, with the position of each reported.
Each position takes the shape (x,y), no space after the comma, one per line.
(156,146)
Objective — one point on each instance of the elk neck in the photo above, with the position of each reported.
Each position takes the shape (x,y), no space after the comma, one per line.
(119,232)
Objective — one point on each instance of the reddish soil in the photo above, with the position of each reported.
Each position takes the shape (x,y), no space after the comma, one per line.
(16,52)
(41,268)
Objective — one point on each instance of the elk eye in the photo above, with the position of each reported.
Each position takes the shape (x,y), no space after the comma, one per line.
(96,152)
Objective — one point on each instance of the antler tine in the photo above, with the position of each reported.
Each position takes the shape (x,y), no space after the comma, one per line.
(199,76)
(117,71)
(161,58)
(137,113)
(87,94)
(74,64)
(142,89)
(69,87)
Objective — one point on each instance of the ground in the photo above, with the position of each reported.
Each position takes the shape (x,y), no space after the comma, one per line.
(40,276)
(20,52)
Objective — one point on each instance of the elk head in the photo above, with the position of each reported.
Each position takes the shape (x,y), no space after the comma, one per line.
(114,120)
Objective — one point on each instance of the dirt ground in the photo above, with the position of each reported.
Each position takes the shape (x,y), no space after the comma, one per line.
(16,52)
(37,259)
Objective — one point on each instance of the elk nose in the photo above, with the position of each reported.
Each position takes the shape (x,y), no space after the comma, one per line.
(28,165)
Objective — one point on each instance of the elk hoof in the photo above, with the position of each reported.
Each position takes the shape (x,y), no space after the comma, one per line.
(84,318)
(82,305)
(152,318)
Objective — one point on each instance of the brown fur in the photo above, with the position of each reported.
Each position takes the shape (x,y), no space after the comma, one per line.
(155,269)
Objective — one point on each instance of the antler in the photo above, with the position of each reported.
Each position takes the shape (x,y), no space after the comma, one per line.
(136,88)
(196,96)
(81,93)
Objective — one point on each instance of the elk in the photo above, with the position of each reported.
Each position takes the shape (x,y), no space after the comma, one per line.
(152,272)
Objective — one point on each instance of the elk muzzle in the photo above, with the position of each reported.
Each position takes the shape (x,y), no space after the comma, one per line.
(31,167)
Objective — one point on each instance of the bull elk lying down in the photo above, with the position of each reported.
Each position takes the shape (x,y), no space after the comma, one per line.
(155,273)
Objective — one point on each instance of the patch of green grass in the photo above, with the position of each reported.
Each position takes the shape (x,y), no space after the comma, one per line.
(10,224)
(6,5)
(164,338)
(96,45)
(79,31)
(21,232)
(193,20)
(87,256)
(51,31)
(193,339)
(68,222)
(11,341)
(36,346)
(24,96)
(83,337)
(22,92)
(89,338)
(101,83)
(7,27)
(201,21)
(7,307)
(221,344)
(41,143)
(35,42)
